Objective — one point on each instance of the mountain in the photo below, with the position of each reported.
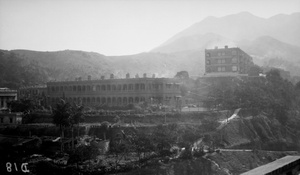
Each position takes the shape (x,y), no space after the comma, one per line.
(194,42)
(25,67)
(271,42)
(245,26)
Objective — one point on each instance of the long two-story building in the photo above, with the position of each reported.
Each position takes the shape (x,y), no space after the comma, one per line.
(115,92)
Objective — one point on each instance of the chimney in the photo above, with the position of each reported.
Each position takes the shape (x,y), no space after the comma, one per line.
(226,47)
(89,77)
(216,47)
(153,76)
(137,76)
(145,75)
(127,75)
(79,78)
(111,76)
(102,77)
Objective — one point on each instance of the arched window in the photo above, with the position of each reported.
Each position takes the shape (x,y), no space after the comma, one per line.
(142,86)
(79,88)
(98,87)
(103,88)
(119,100)
(130,87)
(113,87)
(108,87)
(108,100)
(74,88)
(88,88)
(125,87)
(124,100)
(114,100)
(119,87)
(83,88)
(137,100)
(103,100)
(137,87)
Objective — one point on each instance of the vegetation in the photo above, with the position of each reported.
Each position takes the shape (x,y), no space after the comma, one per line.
(272,95)
(65,115)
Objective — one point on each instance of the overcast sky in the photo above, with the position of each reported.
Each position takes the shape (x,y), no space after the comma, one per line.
(114,27)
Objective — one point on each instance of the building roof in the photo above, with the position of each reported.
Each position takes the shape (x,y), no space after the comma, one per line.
(279,163)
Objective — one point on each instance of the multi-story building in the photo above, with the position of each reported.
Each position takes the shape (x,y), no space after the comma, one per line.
(7,95)
(115,92)
(37,93)
(227,61)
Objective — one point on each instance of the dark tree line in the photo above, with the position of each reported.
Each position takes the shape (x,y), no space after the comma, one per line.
(271,94)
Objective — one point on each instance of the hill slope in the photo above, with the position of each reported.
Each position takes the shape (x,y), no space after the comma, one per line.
(246,26)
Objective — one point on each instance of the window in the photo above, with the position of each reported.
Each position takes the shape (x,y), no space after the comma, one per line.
(221,61)
(234,68)
(10,120)
(234,52)
(234,60)
(208,62)
(221,69)
(207,54)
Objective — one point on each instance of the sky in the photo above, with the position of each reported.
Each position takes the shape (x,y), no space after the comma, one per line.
(115,27)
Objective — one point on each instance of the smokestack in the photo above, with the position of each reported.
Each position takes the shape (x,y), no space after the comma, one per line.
(127,75)
(216,47)
(89,77)
(102,77)
(79,78)
(226,47)
(111,76)
(145,75)
(153,76)
(137,76)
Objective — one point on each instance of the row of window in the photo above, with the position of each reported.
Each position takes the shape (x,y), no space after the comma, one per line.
(223,69)
(119,87)
(223,61)
(223,53)
(105,100)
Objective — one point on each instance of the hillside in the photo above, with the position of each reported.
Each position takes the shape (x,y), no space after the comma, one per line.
(266,40)
(246,26)
(272,42)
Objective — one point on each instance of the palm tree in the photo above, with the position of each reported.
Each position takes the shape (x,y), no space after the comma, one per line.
(61,116)
(76,116)
(66,115)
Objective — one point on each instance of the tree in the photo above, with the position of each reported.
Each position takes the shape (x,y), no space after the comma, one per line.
(182,75)
(61,116)
(65,115)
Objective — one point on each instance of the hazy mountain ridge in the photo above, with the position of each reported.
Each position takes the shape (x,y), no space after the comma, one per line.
(184,51)
(247,26)
(259,37)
